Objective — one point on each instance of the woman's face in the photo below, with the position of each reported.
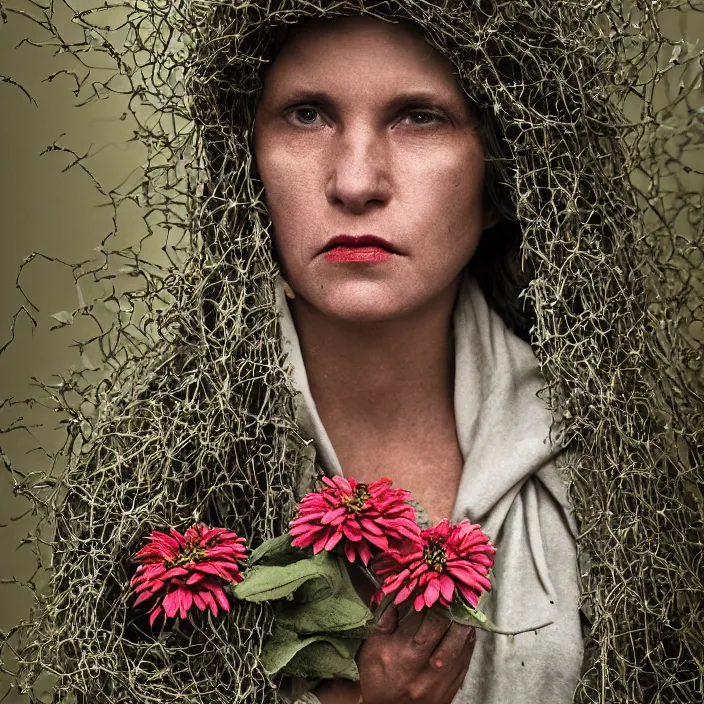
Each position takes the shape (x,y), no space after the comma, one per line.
(362,129)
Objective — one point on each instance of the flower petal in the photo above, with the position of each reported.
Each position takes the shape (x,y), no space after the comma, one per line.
(371,526)
(320,543)
(432,591)
(351,533)
(199,602)
(154,615)
(365,554)
(142,597)
(470,595)
(333,540)
(186,601)
(333,514)
(170,604)
(350,551)
(207,597)
(174,572)
(402,595)
(220,597)
(447,587)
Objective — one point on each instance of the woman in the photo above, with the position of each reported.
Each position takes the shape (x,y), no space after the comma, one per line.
(373,174)
(404,365)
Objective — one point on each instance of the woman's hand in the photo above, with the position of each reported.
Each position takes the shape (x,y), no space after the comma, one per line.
(421,659)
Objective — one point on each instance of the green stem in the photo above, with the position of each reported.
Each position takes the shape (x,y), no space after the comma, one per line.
(515,633)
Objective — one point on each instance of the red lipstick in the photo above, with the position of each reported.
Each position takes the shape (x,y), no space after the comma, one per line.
(360,248)
(357,254)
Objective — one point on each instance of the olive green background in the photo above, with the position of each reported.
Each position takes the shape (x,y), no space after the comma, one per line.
(60,215)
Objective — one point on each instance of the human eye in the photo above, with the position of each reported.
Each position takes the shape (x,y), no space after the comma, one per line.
(427,118)
(301,114)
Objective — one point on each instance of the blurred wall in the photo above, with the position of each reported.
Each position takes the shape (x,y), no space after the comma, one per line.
(57,214)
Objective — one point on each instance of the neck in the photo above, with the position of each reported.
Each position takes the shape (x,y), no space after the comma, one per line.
(380,378)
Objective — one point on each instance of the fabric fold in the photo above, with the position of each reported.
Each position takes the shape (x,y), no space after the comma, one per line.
(511,485)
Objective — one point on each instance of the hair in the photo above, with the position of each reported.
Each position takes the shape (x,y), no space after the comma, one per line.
(496,263)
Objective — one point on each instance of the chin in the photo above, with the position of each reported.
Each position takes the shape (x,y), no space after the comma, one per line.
(362,304)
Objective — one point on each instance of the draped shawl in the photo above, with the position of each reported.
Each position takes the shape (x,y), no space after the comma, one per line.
(512,487)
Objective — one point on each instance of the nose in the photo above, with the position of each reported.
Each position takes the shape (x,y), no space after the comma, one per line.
(359,177)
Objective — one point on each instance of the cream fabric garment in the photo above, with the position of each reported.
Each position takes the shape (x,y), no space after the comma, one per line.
(511,486)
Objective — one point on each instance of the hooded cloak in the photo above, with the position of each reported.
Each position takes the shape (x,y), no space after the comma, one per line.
(597,267)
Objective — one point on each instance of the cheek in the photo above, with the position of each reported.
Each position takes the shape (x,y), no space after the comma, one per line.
(447,198)
(287,189)
(464,184)
(289,194)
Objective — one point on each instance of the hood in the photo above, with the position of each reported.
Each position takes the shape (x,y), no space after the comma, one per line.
(596,264)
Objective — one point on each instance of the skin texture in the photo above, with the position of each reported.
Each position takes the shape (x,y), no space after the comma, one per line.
(356,163)
(420,658)
(376,338)
(341,148)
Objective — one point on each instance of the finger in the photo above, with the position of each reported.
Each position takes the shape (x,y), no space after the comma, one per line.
(388,621)
(409,623)
(457,681)
(431,630)
(456,647)
(405,608)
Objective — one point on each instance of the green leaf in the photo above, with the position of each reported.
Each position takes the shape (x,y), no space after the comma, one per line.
(277,551)
(266,582)
(282,645)
(462,613)
(345,588)
(363,632)
(64,317)
(318,656)
(336,613)
(324,659)
(330,579)
(311,579)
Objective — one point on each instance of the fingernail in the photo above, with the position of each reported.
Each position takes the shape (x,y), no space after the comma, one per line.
(386,620)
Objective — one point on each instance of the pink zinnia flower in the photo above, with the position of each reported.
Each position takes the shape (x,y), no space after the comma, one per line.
(451,559)
(181,570)
(368,517)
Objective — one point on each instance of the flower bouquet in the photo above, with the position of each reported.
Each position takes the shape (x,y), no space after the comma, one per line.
(345,528)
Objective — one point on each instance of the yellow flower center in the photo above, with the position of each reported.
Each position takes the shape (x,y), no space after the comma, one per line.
(434,555)
(191,552)
(357,501)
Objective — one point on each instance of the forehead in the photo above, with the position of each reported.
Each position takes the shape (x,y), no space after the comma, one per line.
(358,51)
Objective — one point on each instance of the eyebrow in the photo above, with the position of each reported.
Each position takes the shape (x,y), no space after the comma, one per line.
(406,99)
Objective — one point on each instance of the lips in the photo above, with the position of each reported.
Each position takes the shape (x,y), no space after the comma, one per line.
(344,253)
(359,241)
